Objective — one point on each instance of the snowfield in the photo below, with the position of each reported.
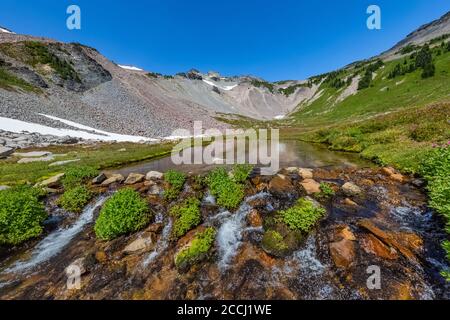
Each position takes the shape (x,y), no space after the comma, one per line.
(132,68)
(19,126)
(226,88)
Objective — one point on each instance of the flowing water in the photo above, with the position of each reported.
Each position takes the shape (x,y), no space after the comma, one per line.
(237,266)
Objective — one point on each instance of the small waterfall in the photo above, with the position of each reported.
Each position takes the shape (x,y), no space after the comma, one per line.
(229,236)
(161,245)
(56,241)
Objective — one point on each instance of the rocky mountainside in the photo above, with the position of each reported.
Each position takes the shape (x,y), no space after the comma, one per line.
(76,83)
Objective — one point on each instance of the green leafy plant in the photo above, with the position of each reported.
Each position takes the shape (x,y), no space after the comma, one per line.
(123,213)
(187,215)
(241,172)
(75,176)
(176,181)
(75,199)
(326,191)
(197,249)
(229,194)
(302,216)
(21,215)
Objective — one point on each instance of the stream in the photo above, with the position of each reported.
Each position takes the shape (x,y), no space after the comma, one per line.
(388,226)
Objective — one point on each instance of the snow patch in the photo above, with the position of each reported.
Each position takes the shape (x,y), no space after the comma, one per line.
(226,88)
(132,68)
(5,30)
(19,126)
(280,117)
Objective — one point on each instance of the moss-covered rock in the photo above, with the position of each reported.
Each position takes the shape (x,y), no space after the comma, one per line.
(187,215)
(196,250)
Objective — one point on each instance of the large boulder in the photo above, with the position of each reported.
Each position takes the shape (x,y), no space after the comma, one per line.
(154,175)
(115,178)
(52,182)
(311,186)
(343,253)
(281,185)
(141,244)
(134,178)
(99,179)
(305,173)
(350,189)
(5,152)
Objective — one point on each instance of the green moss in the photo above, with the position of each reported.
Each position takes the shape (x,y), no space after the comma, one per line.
(21,215)
(176,182)
(187,215)
(75,199)
(76,175)
(123,213)
(241,172)
(326,191)
(303,216)
(196,250)
(273,243)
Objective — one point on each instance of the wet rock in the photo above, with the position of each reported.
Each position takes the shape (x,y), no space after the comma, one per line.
(81,264)
(349,202)
(155,190)
(254,219)
(52,182)
(134,178)
(410,240)
(141,244)
(305,173)
(344,232)
(343,253)
(419,183)
(101,256)
(350,189)
(387,171)
(154,175)
(155,228)
(99,179)
(311,186)
(397,177)
(5,152)
(392,239)
(372,245)
(115,178)
(402,291)
(280,185)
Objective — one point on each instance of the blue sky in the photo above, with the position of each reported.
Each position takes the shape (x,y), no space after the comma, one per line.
(284,39)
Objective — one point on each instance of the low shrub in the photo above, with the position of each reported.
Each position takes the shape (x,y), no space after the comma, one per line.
(241,172)
(75,176)
(326,191)
(302,216)
(228,193)
(21,215)
(176,182)
(75,199)
(197,249)
(187,215)
(123,213)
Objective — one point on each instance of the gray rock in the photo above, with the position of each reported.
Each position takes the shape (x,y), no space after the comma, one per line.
(154,175)
(5,152)
(51,182)
(61,163)
(115,178)
(33,154)
(134,178)
(351,189)
(99,179)
(43,159)
(140,244)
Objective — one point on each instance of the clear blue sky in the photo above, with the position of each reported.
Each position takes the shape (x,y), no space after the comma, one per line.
(283,39)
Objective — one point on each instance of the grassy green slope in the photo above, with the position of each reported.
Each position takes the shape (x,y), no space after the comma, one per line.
(383,95)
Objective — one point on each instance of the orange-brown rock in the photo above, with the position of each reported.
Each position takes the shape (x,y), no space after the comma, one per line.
(343,253)
(280,184)
(372,245)
(311,186)
(349,202)
(254,219)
